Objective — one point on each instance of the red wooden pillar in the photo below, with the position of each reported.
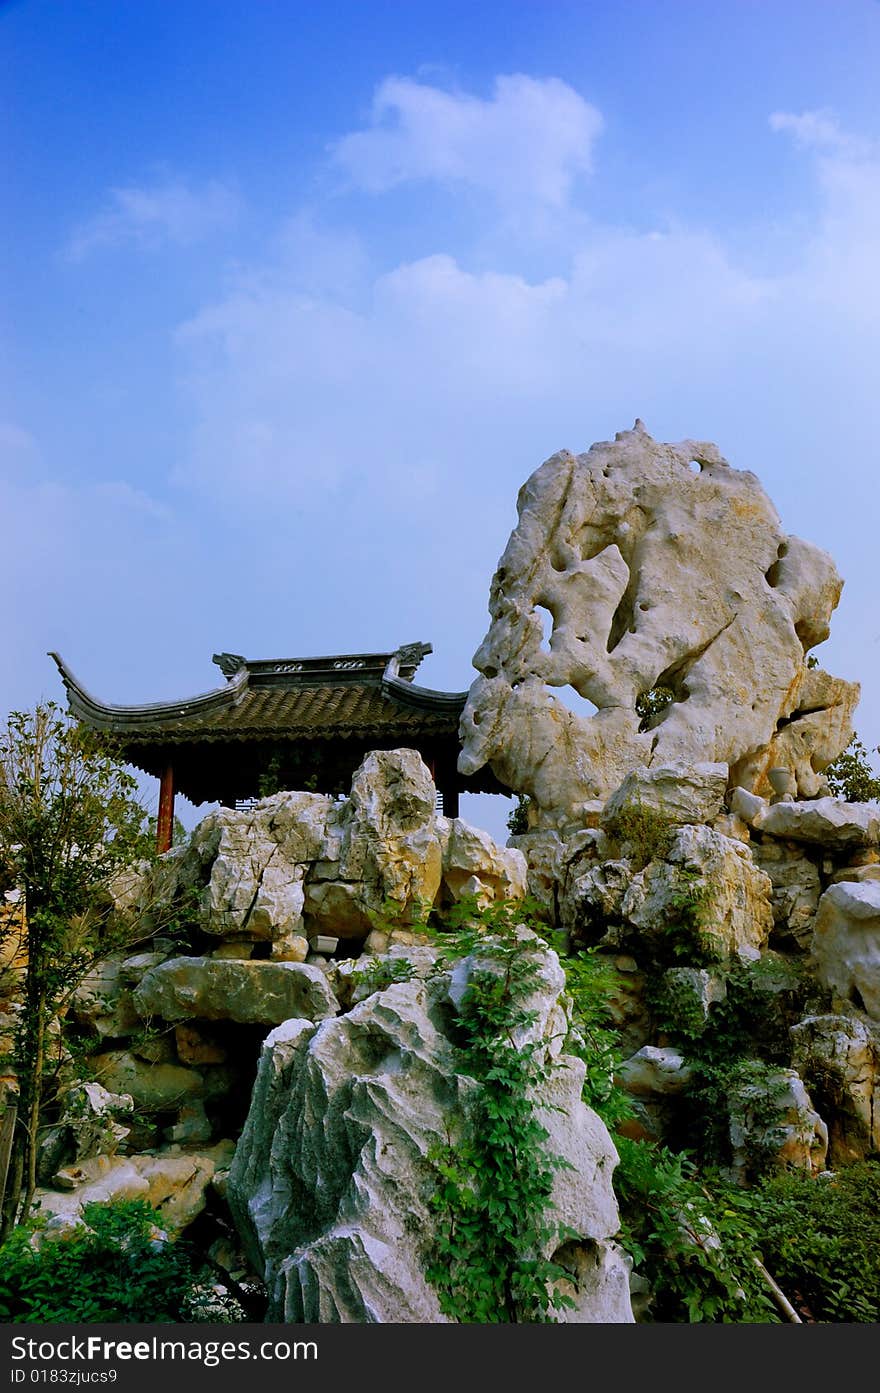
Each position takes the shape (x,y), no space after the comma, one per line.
(165,820)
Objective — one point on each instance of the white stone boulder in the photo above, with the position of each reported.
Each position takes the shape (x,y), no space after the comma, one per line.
(330,1183)
(846,943)
(636,565)
(251,992)
(795,1135)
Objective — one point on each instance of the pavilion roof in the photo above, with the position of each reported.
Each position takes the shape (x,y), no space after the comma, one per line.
(348,694)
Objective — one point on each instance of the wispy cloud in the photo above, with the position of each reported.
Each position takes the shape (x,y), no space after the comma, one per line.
(531,139)
(150,216)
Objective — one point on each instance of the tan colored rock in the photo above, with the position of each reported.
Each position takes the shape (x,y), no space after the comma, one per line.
(861,875)
(153,1087)
(651,573)
(255,992)
(175,1183)
(735,917)
(796,890)
(473,865)
(103,1000)
(797,1135)
(846,943)
(197,1046)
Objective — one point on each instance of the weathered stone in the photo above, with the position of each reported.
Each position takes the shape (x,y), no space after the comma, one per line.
(473,865)
(679,793)
(543,852)
(796,890)
(846,943)
(796,1136)
(747,805)
(154,1087)
(330,1180)
(211,989)
(593,901)
(655,1070)
(192,1125)
(293,948)
(827,822)
(103,1000)
(839,1057)
(652,574)
(732,918)
(89,1125)
(859,874)
(175,1183)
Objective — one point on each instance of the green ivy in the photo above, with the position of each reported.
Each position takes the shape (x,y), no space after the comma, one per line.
(495,1176)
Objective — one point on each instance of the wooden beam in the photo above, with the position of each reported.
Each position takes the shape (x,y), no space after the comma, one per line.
(165,820)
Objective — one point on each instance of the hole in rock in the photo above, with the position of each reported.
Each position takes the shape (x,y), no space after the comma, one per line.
(490,671)
(546,621)
(574,702)
(695,467)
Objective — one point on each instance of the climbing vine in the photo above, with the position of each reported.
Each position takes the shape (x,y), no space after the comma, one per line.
(494,1177)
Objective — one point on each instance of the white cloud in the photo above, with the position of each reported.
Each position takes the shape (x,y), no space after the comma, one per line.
(150,216)
(814,130)
(530,140)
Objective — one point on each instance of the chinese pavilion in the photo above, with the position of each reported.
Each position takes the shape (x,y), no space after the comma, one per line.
(286,723)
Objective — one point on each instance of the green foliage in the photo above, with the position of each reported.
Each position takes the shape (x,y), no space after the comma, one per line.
(696,1238)
(821,1240)
(591,981)
(69,820)
(648,833)
(851,776)
(651,703)
(518,818)
(115,1267)
(375,974)
(495,1177)
(687,937)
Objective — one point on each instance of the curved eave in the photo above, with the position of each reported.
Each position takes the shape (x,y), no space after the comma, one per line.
(423,698)
(123,720)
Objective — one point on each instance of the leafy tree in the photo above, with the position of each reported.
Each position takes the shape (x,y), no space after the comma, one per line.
(69,820)
(850,776)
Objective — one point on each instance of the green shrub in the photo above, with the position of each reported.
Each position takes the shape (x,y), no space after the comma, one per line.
(115,1267)
(695,1245)
(850,776)
(820,1238)
(648,833)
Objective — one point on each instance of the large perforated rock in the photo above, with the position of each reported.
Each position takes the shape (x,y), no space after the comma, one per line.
(652,565)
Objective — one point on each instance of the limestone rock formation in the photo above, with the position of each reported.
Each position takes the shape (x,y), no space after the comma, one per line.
(846,943)
(655,565)
(260,993)
(299,865)
(331,1176)
(839,1056)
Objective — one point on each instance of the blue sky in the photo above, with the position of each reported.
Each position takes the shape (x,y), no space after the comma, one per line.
(295,297)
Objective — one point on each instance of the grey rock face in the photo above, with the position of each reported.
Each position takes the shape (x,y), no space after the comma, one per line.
(651,572)
(331,1177)
(225,989)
